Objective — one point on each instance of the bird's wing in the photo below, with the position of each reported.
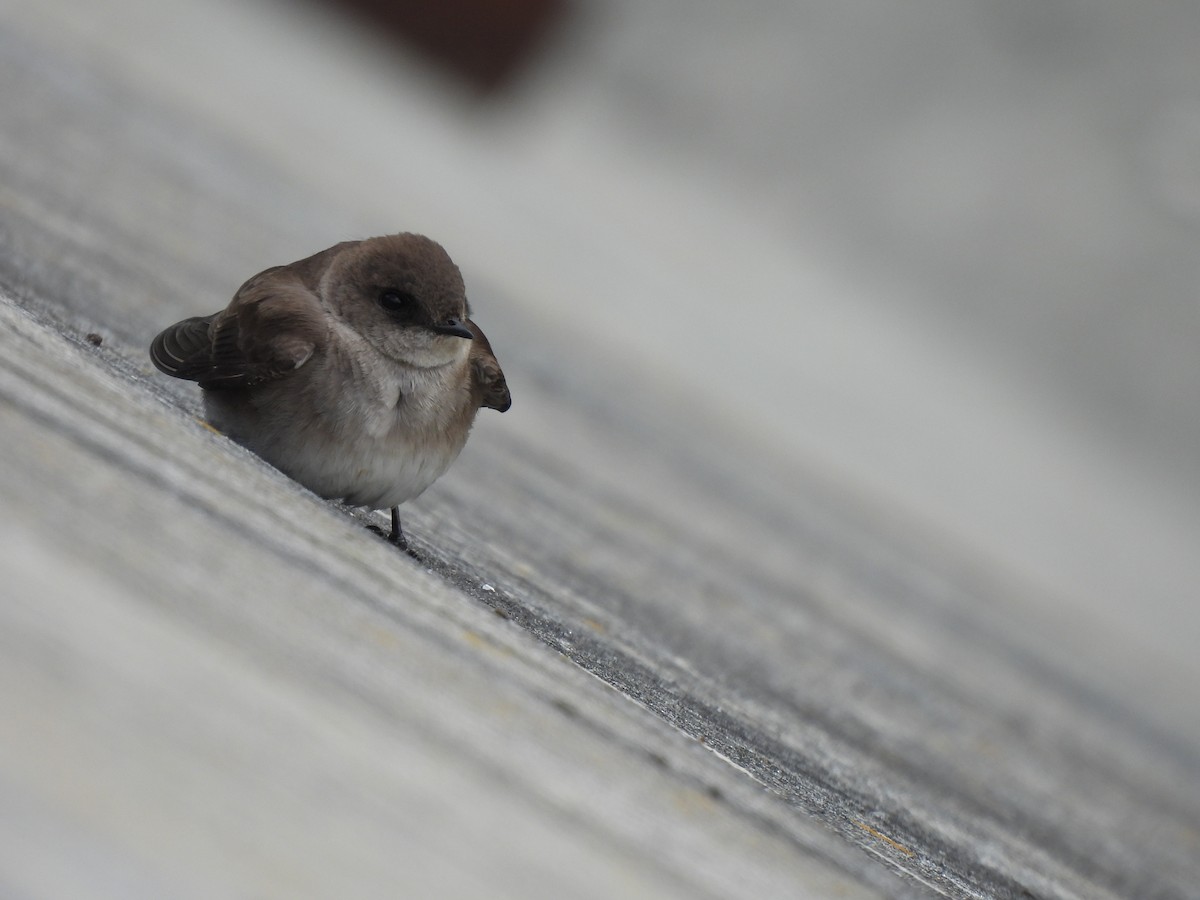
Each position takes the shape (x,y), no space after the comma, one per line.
(269,330)
(486,374)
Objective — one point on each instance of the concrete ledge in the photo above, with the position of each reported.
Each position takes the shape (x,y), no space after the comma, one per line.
(629,664)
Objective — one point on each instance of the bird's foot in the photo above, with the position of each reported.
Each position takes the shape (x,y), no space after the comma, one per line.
(396,536)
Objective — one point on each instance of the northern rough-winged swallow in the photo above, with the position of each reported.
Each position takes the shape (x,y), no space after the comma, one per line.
(355,371)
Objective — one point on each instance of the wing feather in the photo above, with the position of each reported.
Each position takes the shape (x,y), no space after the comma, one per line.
(487,376)
(272,327)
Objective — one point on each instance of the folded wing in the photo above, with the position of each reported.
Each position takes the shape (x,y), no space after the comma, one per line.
(269,330)
(487,376)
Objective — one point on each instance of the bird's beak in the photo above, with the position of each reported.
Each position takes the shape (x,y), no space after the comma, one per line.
(453,327)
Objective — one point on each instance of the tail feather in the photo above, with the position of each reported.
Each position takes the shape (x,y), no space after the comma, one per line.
(185,349)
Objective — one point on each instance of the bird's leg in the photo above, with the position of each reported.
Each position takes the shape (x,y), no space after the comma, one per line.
(397,535)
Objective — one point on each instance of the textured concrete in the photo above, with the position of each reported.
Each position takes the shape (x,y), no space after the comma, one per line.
(642,655)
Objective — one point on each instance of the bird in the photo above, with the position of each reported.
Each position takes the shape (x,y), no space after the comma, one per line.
(356,371)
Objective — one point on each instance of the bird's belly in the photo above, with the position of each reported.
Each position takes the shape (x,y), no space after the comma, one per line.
(378,474)
(384,479)
(363,469)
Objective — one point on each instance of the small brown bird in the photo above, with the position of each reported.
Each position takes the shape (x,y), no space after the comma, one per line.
(355,371)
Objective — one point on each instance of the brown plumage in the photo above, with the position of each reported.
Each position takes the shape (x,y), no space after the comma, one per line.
(356,371)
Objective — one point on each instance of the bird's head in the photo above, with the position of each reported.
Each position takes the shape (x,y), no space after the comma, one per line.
(404,296)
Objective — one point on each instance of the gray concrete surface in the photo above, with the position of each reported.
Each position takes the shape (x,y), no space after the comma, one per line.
(870,334)
(972,231)
(647,653)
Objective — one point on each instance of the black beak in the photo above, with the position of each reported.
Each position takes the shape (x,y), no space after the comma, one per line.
(453,327)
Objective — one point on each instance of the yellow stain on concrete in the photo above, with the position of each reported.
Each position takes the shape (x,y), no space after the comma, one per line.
(896,845)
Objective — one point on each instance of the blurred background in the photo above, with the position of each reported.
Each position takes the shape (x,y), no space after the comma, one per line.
(943,255)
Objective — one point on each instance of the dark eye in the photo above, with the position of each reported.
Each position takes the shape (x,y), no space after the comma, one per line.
(397,302)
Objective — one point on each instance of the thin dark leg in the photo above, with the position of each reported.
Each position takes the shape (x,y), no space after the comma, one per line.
(397,535)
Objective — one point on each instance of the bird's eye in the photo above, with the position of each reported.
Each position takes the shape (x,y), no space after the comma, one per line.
(397,302)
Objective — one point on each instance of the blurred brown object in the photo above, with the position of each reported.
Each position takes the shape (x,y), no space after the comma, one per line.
(485,42)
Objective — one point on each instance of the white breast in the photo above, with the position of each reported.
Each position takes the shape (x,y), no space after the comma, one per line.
(375,440)
(380,472)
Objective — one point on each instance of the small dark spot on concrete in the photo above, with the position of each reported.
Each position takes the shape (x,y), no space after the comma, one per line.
(502,613)
(658,759)
(94,339)
(565,708)
(714,793)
